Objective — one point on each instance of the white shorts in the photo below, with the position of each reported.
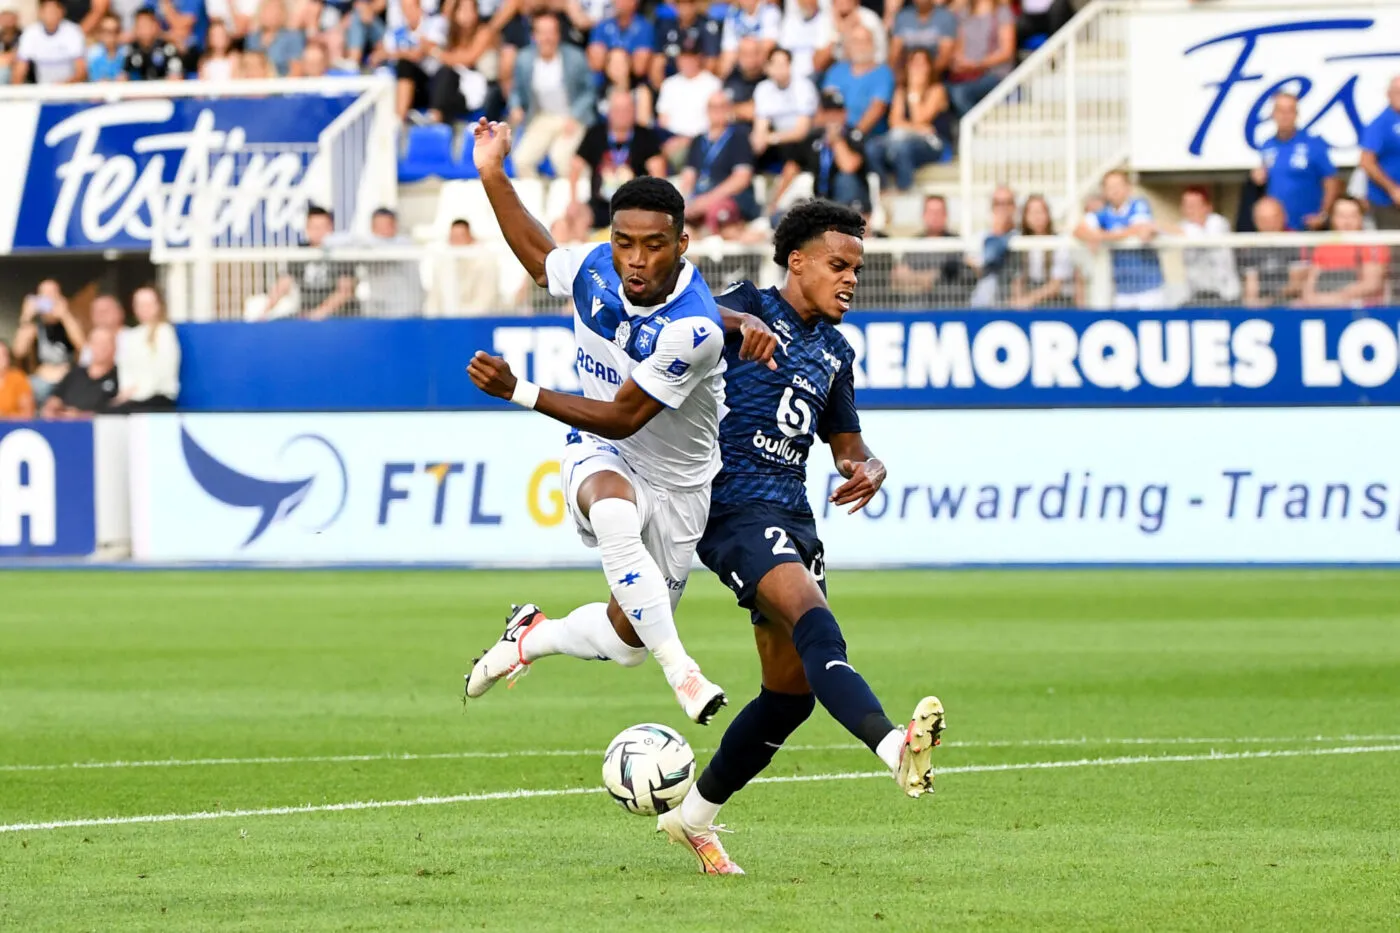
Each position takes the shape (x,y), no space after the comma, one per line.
(673,520)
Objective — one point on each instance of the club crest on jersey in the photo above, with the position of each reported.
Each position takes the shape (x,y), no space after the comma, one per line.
(624,331)
(646,336)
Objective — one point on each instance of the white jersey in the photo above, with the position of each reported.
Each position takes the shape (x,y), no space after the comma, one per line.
(674,351)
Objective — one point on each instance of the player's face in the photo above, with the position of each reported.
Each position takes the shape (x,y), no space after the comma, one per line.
(647,254)
(829,269)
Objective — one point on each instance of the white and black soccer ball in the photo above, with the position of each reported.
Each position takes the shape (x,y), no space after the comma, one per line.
(648,768)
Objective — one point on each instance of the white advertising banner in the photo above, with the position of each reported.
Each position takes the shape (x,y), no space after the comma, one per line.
(1202,79)
(1183,485)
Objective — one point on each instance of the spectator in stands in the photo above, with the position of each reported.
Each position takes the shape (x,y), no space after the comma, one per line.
(1211,277)
(186,25)
(16,395)
(1273,275)
(551,100)
(719,169)
(516,22)
(254,66)
(629,31)
(692,25)
(475,277)
(614,152)
(865,85)
(324,287)
(238,17)
(9,42)
(748,19)
(1345,275)
(846,17)
(1380,160)
(993,263)
(149,57)
(366,29)
(220,61)
(395,285)
(834,155)
(340,61)
(1137,272)
(106,313)
(920,103)
(148,361)
(784,106)
(106,56)
(1297,169)
(744,80)
(618,78)
(809,36)
(1042,18)
(413,49)
(1043,278)
(89,390)
(470,67)
(51,50)
(48,329)
(984,54)
(281,45)
(315,61)
(927,25)
(936,277)
(682,105)
(574,226)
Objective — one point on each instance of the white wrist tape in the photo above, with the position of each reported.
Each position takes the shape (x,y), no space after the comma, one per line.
(526,393)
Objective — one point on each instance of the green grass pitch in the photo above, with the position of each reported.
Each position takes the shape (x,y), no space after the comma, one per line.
(1128,681)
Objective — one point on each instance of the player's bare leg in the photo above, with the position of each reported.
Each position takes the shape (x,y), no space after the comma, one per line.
(637,619)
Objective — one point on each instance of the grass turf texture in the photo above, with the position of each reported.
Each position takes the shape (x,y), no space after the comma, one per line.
(104,667)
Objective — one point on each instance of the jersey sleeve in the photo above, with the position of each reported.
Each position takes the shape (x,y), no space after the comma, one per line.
(742,297)
(1139,212)
(562,265)
(686,352)
(840,415)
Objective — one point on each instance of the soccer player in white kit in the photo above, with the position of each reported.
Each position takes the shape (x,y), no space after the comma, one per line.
(638,463)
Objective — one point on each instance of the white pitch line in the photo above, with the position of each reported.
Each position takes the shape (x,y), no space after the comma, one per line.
(579,752)
(576,791)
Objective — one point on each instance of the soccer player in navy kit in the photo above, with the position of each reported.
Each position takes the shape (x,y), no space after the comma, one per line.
(761,539)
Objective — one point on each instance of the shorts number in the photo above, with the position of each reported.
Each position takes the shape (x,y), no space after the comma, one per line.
(779,539)
(818,568)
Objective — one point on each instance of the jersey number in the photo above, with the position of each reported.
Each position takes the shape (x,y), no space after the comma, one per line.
(794,414)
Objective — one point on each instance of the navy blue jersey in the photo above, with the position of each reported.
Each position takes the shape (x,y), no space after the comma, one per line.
(774,415)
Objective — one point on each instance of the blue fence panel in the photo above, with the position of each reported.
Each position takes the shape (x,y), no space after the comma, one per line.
(46,489)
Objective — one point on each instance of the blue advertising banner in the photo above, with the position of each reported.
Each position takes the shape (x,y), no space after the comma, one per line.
(97,175)
(904,360)
(46,489)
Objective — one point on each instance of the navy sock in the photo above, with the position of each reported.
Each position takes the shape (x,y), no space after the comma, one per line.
(751,741)
(844,693)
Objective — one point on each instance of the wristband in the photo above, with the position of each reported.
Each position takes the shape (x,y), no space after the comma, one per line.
(526,393)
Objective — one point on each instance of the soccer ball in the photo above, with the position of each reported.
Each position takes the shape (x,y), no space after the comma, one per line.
(648,769)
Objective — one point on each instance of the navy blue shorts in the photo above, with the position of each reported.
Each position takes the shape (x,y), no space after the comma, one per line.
(742,543)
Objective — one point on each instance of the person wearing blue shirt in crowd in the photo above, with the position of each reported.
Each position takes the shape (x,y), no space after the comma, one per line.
(719,169)
(183,22)
(1297,169)
(1380,160)
(629,31)
(865,86)
(690,23)
(105,56)
(1137,273)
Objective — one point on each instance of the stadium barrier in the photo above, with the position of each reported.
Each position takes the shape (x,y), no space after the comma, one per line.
(1049,487)
(945,273)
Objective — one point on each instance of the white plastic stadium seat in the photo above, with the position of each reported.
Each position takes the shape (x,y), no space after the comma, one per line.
(467,199)
(556,198)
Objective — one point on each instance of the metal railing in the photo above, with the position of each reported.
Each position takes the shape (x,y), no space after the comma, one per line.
(1318,270)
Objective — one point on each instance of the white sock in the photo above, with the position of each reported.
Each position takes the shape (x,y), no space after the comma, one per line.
(890,747)
(638,584)
(586,633)
(697,813)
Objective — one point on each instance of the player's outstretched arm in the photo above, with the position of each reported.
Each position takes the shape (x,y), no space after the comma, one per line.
(864,473)
(624,416)
(527,237)
(758,342)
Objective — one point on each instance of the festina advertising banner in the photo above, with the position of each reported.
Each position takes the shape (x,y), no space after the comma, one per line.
(999,487)
(1202,80)
(97,175)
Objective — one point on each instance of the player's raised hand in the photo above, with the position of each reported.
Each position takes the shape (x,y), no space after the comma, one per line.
(759,343)
(865,479)
(492,375)
(490,144)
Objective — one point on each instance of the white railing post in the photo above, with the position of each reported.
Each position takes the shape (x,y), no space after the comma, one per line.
(1071,67)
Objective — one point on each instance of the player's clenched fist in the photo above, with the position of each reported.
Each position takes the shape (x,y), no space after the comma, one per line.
(863,480)
(759,343)
(492,375)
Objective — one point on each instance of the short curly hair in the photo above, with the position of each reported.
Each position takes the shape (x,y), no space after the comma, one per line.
(646,193)
(809,220)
